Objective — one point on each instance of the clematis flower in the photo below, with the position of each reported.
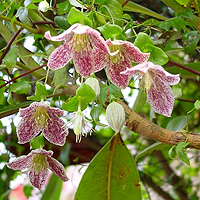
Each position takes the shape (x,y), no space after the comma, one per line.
(157,83)
(82,44)
(80,125)
(39,117)
(36,164)
(126,52)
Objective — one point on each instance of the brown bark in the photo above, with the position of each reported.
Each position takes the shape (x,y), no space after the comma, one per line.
(143,126)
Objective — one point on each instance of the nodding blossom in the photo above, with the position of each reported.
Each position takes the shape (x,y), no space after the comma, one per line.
(126,53)
(36,165)
(39,117)
(82,44)
(157,83)
(80,125)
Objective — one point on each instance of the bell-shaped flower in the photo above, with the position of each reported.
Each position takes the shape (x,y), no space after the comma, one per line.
(126,52)
(80,125)
(39,117)
(36,164)
(94,84)
(82,44)
(157,83)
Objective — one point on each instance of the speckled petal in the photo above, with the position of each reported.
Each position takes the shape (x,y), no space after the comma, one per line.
(62,36)
(133,53)
(84,62)
(56,130)
(60,56)
(100,60)
(170,79)
(140,68)
(27,130)
(42,152)
(29,110)
(38,179)
(114,73)
(160,97)
(57,168)
(21,163)
(56,111)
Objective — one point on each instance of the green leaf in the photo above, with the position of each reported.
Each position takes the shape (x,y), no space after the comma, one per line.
(60,77)
(158,56)
(11,58)
(111,175)
(144,43)
(28,190)
(154,147)
(113,10)
(53,189)
(76,4)
(72,104)
(111,31)
(20,87)
(103,94)
(183,2)
(63,7)
(37,142)
(61,22)
(183,156)
(40,92)
(177,124)
(2,90)
(140,101)
(31,6)
(197,104)
(75,16)
(95,112)
(86,93)
(115,91)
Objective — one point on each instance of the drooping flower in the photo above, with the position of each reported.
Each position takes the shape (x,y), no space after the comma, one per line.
(36,164)
(80,125)
(43,6)
(115,116)
(39,117)
(126,52)
(82,44)
(157,83)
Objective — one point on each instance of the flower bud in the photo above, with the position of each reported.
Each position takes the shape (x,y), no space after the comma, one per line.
(94,84)
(115,116)
(43,6)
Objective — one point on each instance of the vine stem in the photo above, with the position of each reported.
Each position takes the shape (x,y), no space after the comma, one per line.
(9,44)
(184,67)
(124,3)
(24,74)
(32,30)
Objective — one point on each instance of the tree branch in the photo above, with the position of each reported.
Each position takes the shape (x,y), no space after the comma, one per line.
(143,126)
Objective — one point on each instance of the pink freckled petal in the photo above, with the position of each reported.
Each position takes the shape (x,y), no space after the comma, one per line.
(114,73)
(27,130)
(171,79)
(38,179)
(29,110)
(56,111)
(62,36)
(60,57)
(56,131)
(57,168)
(83,62)
(21,163)
(42,152)
(161,97)
(134,53)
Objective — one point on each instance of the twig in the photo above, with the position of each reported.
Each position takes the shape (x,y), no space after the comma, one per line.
(44,22)
(24,74)
(186,100)
(184,67)
(9,44)
(125,2)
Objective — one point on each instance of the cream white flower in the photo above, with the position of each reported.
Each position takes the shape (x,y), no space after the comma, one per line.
(94,84)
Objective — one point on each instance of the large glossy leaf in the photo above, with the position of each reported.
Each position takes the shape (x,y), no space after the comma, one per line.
(177,124)
(111,175)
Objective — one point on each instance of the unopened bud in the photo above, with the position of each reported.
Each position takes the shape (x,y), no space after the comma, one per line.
(115,116)
(94,84)
(43,6)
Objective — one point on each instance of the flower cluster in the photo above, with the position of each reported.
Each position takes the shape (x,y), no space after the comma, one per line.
(91,53)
